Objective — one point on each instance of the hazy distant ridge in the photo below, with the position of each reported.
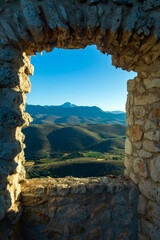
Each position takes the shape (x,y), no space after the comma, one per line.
(70,113)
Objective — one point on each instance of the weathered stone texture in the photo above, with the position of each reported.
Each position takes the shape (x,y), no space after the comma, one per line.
(129,30)
(144,140)
(12,117)
(72,208)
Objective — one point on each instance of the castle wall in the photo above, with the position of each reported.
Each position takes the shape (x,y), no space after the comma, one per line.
(78,209)
(129,30)
(142,159)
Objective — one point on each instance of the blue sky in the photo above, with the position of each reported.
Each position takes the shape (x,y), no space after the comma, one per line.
(83,77)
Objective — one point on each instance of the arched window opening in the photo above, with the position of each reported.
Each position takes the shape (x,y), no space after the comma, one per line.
(77,103)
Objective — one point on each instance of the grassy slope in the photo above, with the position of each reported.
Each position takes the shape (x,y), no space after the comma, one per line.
(80,167)
(44,139)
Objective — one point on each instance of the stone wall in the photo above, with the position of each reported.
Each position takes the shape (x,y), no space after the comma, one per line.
(78,209)
(129,30)
(14,84)
(143,149)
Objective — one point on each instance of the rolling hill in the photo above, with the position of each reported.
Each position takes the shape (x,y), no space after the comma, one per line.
(42,140)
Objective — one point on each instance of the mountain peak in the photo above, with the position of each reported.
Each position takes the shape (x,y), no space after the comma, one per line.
(68,105)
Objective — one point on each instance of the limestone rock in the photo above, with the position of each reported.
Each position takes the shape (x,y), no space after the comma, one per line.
(33,19)
(150,125)
(152,83)
(58,211)
(151,146)
(144,154)
(155,113)
(140,167)
(128,162)
(155,169)
(137,145)
(146,99)
(8,30)
(135,133)
(9,150)
(149,189)
(154,213)
(128,147)
(153,135)
(150,230)
(3,37)
(8,55)
(8,77)
(2,207)
(139,111)
(142,205)
(90,208)
(149,4)
(131,85)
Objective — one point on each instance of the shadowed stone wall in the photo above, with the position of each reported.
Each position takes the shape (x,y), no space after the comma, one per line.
(129,30)
(72,208)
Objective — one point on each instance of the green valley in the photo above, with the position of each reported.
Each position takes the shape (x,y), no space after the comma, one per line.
(79,150)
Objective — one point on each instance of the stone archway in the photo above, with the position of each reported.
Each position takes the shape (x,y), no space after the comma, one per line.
(129,31)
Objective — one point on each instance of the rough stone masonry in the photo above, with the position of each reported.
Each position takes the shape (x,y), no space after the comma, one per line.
(129,30)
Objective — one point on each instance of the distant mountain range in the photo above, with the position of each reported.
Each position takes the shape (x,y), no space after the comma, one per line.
(70,113)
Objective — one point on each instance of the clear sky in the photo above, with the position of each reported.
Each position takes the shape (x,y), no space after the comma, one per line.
(83,77)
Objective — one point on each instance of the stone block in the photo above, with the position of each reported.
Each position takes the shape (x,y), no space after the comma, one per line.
(20,27)
(9,54)
(140,89)
(152,83)
(128,162)
(142,237)
(9,150)
(8,77)
(80,188)
(33,19)
(151,146)
(153,135)
(58,190)
(140,167)
(14,213)
(154,213)
(155,113)
(2,207)
(25,84)
(137,145)
(6,169)
(10,118)
(31,191)
(139,111)
(7,135)
(128,147)
(53,18)
(150,230)
(149,4)
(139,122)
(143,100)
(144,154)
(149,124)
(142,205)
(136,133)
(3,37)
(8,30)
(154,166)
(149,189)
(131,85)
(11,98)
(134,177)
